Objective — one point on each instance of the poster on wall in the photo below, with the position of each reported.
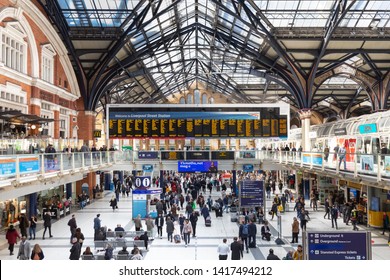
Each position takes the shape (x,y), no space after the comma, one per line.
(387,164)
(367,162)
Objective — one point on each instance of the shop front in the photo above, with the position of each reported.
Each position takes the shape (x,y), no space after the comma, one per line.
(379,203)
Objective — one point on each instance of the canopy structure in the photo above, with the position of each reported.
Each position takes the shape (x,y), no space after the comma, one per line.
(329,56)
(17,117)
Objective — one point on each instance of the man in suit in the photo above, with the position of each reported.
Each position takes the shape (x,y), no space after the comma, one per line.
(236,248)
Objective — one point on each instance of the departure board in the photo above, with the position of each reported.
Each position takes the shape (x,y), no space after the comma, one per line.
(198,131)
(196,123)
(206,128)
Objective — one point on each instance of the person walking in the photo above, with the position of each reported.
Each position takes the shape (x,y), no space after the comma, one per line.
(295,230)
(385,221)
(327,209)
(97,225)
(159,223)
(170,229)
(37,253)
(47,224)
(150,227)
(113,203)
(187,230)
(33,227)
(75,250)
(223,250)
(80,238)
(252,232)
(23,224)
(12,236)
(24,249)
(138,223)
(72,227)
(271,256)
(194,220)
(243,234)
(342,157)
(236,248)
(334,214)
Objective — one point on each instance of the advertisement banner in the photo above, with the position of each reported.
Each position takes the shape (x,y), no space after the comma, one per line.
(28,165)
(252,193)
(338,246)
(198,166)
(367,162)
(387,164)
(7,166)
(350,147)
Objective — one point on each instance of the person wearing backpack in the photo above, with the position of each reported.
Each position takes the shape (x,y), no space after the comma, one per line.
(243,234)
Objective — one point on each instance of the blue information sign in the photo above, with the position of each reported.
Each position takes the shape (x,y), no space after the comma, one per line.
(147,155)
(367,128)
(252,193)
(338,246)
(247,167)
(142,182)
(198,166)
(147,167)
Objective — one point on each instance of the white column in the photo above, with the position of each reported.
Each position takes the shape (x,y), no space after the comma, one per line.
(305,115)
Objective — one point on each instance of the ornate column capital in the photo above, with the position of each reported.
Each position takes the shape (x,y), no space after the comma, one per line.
(304,114)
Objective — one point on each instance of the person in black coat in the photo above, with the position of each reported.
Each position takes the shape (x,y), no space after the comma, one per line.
(193,220)
(252,231)
(272,256)
(236,248)
(159,223)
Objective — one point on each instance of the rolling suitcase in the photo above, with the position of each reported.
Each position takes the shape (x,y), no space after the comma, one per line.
(177,238)
(208,221)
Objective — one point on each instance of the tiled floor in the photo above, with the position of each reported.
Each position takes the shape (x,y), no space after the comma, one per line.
(203,247)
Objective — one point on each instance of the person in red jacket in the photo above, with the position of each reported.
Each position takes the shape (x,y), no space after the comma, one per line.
(12,237)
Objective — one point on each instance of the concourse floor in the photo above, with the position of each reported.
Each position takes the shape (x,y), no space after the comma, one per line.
(203,247)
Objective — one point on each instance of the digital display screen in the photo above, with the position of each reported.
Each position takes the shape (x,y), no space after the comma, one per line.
(197,166)
(262,122)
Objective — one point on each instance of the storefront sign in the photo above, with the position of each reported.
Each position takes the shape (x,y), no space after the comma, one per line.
(226,155)
(28,164)
(97,134)
(340,131)
(252,193)
(7,166)
(203,155)
(248,154)
(338,246)
(172,155)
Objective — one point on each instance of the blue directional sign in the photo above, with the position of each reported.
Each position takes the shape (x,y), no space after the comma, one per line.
(147,155)
(338,245)
(252,193)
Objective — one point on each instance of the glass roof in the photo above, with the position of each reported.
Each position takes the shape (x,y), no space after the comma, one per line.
(222,43)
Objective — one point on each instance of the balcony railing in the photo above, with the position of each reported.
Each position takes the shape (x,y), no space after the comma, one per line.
(17,166)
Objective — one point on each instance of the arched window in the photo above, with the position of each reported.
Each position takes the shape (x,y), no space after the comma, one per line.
(189,99)
(182,100)
(47,71)
(196,96)
(204,98)
(13,47)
